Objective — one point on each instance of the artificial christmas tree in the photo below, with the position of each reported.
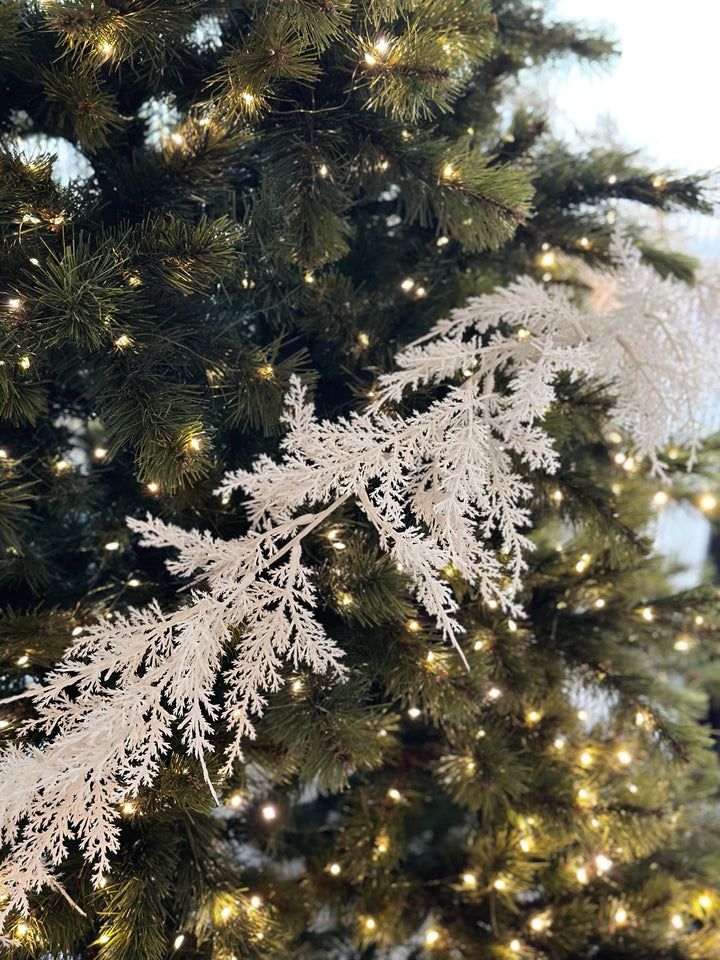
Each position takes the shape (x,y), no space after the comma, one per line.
(400,677)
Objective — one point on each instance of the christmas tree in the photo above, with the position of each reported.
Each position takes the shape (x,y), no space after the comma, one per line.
(336,410)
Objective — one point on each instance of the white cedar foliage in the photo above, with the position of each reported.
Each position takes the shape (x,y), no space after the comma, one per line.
(436,486)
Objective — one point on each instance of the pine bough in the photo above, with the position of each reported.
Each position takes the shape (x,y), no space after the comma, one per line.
(437,487)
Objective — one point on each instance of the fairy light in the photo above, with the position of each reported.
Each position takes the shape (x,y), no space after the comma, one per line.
(500,884)
(102,882)
(420,292)
(547,259)
(178,139)
(255,902)
(128,808)
(323,170)
(225,912)
(414,713)
(3,454)
(442,241)
(269,812)
(677,921)
(582,794)
(603,863)
(584,242)
(381,844)
(512,626)
(21,929)
(494,693)
(625,757)
(582,715)
(23,661)
(523,334)
(296,686)
(235,800)
(525,845)
(647,614)
(24,362)
(394,794)
(407,285)
(682,645)
(557,496)
(581,875)
(370,924)
(470,766)
(594,823)
(430,656)
(658,182)
(106,48)
(621,915)
(469,880)
(363,339)
(99,453)
(431,937)
(123,341)
(699,621)
(62,465)
(632,787)
(515,946)
(4,724)
(153,487)
(559,743)
(105,938)
(629,464)
(580,566)
(413,625)
(599,603)
(112,545)
(612,179)
(707,502)
(478,645)
(492,604)
(538,924)
(661,498)
(194,443)
(547,277)
(339,545)
(14,303)
(533,716)
(705,901)
(335,869)
(178,941)
(345,600)
(448,171)
(640,718)
(585,759)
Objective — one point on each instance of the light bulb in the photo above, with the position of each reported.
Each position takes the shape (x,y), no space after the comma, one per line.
(335,869)
(585,758)
(677,921)
(603,863)
(442,241)
(407,284)
(178,941)
(559,743)
(557,496)
(537,924)
(492,604)
(661,498)
(225,912)
(707,502)
(431,937)
(248,97)
(194,443)
(647,614)
(469,880)
(363,339)
(420,292)
(105,938)
(413,625)
(21,929)
(235,800)
(512,626)
(153,487)
(525,845)
(533,716)
(599,603)
(515,945)
(62,465)
(370,59)
(99,453)
(500,884)
(624,757)
(370,923)
(414,713)
(705,901)
(255,902)
(14,303)
(123,341)
(494,693)
(269,812)
(323,170)
(24,362)
(394,794)
(620,915)
(612,179)
(478,645)
(582,875)
(177,139)
(112,546)
(448,171)
(547,259)
(128,808)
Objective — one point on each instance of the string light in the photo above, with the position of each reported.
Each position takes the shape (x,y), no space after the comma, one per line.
(128,808)
(500,884)
(557,496)
(584,242)
(442,241)
(194,443)
(658,182)
(407,285)
(478,645)
(624,757)
(585,759)
(123,341)
(99,453)
(420,292)
(647,614)
(4,724)
(14,303)
(23,661)
(62,465)
(105,938)
(414,713)
(363,339)
(430,656)
(599,603)
(345,600)
(394,794)
(106,48)
(620,915)
(339,545)
(533,716)
(24,362)
(632,788)
(707,502)
(269,812)
(235,800)
(296,686)
(112,546)
(413,625)
(102,882)
(677,921)
(153,487)
(255,902)
(582,715)
(3,454)
(523,334)
(494,693)
(21,929)
(705,901)
(448,172)
(431,937)
(515,946)
(248,97)
(612,179)
(582,875)
(225,912)
(559,743)
(335,869)
(525,845)
(682,645)
(538,924)
(469,880)
(603,863)
(699,621)
(661,498)
(547,259)
(492,604)
(178,941)
(512,626)
(323,170)
(370,924)
(178,139)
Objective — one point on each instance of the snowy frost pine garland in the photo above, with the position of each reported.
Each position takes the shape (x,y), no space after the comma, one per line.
(427,484)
